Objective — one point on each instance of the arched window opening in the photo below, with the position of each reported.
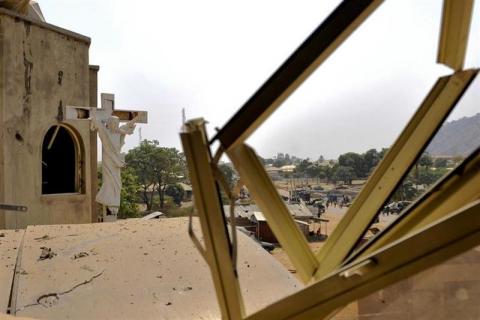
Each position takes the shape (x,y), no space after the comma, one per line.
(60,162)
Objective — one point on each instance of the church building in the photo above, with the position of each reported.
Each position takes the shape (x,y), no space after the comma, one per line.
(46,164)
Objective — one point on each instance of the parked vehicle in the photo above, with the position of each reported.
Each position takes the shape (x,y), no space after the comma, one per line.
(396,207)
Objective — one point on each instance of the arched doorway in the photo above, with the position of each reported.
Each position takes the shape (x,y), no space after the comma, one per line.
(61,161)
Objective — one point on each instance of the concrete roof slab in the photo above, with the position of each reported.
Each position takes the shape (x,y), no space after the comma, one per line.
(9,244)
(135,269)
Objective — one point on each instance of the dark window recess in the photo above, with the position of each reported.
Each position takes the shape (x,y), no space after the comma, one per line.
(58,162)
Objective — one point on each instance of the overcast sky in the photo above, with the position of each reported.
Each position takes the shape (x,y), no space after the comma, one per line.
(209,57)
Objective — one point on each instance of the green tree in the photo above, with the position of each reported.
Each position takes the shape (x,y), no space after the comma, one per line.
(176,192)
(141,160)
(354,161)
(128,194)
(426,160)
(405,192)
(440,163)
(156,167)
(345,174)
(169,169)
(314,171)
(329,173)
(228,173)
(370,160)
(382,153)
(302,167)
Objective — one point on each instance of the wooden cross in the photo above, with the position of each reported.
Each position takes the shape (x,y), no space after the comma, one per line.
(107,110)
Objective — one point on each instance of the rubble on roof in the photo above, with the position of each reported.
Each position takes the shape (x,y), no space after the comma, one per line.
(128,269)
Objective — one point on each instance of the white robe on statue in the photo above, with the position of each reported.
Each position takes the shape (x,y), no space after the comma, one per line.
(113,138)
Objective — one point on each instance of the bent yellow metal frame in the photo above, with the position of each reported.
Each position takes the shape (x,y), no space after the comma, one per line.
(218,250)
(460,186)
(456,19)
(436,226)
(389,173)
(443,239)
(274,209)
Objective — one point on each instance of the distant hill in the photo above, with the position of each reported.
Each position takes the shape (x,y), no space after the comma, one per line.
(457,138)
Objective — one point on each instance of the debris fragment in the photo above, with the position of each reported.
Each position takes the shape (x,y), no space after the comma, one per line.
(2,235)
(168,304)
(45,237)
(48,300)
(47,253)
(80,255)
(87,268)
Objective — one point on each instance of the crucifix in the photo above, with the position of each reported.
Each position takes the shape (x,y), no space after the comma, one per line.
(106,121)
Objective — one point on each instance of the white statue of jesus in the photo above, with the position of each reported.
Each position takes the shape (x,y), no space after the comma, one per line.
(113,138)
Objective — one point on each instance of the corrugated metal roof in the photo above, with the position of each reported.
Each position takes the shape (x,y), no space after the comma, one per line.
(299,210)
(258,216)
(241,211)
(185,186)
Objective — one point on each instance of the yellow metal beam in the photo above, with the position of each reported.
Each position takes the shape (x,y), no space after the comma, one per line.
(456,18)
(437,242)
(401,156)
(279,219)
(218,251)
(451,193)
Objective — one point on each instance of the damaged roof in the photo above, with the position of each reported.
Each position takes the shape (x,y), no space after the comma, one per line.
(128,269)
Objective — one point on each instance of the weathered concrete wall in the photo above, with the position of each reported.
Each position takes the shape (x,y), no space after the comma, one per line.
(41,69)
(93,83)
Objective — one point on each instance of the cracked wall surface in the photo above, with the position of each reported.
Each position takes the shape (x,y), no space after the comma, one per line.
(41,69)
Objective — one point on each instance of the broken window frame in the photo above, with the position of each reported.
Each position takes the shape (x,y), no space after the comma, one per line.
(421,245)
(79,183)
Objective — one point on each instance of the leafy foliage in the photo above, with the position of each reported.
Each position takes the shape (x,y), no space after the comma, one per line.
(156,168)
(349,166)
(229,174)
(176,192)
(345,174)
(128,195)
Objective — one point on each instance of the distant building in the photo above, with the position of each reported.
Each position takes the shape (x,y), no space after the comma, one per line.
(263,231)
(188,194)
(242,215)
(274,172)
(300,211)
(288,168)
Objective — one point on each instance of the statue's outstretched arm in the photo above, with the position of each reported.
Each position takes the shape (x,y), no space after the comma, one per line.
(129,127)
